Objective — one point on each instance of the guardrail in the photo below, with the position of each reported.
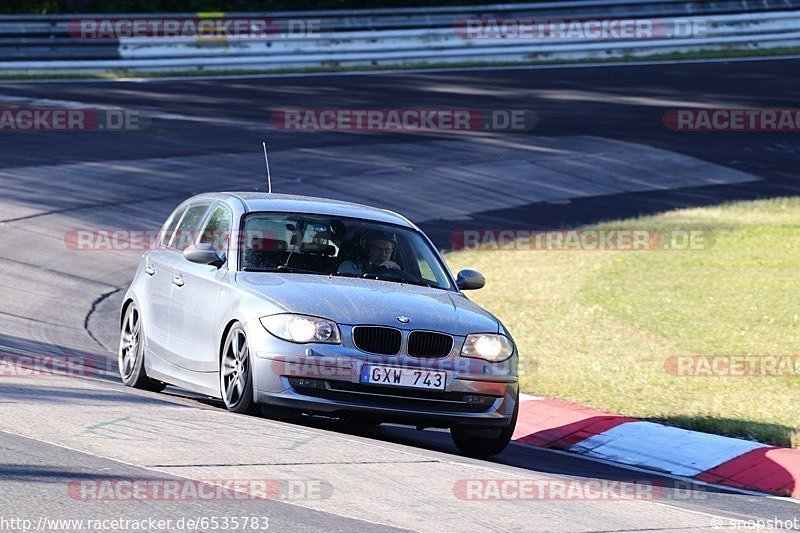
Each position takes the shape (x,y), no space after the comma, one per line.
(408,36)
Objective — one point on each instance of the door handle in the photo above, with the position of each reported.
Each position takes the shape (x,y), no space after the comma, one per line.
(177,280)
(149,270)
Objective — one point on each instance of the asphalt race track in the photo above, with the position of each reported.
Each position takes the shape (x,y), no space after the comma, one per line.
(599,150)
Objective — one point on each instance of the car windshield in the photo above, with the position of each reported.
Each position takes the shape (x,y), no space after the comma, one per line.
(338,246)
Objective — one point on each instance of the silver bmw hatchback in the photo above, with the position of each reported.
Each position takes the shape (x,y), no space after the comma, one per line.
(296,306)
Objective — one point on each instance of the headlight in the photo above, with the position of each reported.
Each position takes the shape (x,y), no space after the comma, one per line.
(302,329)
(488,346)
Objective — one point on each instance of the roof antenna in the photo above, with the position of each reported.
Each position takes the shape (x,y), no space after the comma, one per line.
(266,160)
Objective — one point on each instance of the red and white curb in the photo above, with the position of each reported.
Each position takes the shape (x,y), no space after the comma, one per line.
(711,458)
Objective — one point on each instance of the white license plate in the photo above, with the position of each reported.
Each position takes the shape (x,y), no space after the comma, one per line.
(403,377)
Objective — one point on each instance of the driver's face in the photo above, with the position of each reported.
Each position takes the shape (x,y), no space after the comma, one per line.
(380,250)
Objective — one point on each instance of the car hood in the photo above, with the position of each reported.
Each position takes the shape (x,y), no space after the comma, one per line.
(353,301)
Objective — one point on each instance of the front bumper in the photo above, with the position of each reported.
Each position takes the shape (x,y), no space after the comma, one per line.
(324,379)
(381,406)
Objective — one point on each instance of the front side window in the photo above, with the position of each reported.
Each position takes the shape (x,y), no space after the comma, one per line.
(189,227)
(218,229)
(339,246)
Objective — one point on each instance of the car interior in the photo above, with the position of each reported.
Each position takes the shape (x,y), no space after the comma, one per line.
(321,248)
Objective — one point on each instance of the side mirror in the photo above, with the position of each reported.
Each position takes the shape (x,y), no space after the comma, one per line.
(203,254)
(469,280)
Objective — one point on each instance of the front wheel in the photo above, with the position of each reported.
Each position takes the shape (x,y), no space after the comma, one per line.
(484,442)
(236,373)
(131,353)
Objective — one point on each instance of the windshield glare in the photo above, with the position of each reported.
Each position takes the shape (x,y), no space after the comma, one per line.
(319,244)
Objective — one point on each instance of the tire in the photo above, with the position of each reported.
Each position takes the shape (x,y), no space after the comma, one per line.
(236,373)
(479,442)
(130,356)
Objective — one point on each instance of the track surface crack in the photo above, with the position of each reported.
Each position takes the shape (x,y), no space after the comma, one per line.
(96,303)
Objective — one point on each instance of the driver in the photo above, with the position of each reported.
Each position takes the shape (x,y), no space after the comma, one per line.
(380,248)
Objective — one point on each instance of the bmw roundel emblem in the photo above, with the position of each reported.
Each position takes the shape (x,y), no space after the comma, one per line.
(403,319)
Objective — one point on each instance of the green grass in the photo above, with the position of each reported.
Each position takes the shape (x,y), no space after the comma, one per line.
(595,327)
(674,56)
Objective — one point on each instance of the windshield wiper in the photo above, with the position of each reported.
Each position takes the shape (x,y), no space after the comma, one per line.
(421,283)
(284,269)
(293,270)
